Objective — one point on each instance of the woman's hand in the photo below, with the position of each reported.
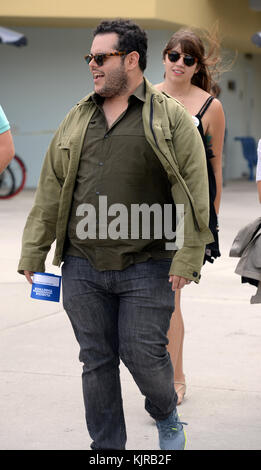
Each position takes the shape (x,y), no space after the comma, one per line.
(178,282)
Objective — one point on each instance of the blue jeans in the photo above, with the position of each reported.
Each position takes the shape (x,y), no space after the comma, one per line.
(120,315)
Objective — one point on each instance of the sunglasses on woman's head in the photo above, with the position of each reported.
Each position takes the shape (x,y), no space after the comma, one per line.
(99,58)
(189,60)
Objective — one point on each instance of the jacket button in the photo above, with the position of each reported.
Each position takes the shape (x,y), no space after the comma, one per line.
(195,274)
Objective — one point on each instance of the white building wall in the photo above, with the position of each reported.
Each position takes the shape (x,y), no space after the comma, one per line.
(242,108)
(41,82)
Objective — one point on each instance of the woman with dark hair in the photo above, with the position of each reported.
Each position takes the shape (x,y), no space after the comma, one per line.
(189,76)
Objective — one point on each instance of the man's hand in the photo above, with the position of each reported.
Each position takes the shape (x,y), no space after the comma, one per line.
(178,282)
(28,275)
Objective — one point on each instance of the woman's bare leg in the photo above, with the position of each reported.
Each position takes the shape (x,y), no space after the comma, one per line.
(175,347)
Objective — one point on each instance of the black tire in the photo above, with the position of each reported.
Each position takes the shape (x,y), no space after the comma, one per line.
(7,183)
(18,170)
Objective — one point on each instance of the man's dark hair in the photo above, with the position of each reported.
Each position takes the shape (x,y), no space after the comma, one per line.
(131,37)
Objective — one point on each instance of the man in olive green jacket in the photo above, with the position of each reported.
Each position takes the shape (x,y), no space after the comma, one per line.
(168,129)
(132,144)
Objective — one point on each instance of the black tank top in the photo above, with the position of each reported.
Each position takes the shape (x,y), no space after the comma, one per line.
(212,249)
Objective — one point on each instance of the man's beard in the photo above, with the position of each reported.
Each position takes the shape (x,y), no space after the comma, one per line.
(116,83)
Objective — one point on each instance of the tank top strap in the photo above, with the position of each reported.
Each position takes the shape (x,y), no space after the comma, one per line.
(205,106)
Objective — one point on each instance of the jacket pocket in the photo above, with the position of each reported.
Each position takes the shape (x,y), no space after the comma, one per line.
(166,133)
(168,138)
(64,148)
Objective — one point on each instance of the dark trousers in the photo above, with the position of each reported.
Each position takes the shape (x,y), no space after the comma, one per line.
(120,315)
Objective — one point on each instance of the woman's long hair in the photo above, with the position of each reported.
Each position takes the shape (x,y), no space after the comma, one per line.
(205,47)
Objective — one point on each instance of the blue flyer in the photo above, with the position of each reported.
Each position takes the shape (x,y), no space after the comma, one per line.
(46,287)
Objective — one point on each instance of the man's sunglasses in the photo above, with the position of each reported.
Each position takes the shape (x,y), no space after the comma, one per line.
(188,59)
(99,58)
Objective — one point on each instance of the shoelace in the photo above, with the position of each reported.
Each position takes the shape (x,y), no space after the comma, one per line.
(176,426)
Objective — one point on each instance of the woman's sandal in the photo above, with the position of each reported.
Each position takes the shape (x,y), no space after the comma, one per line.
(180,391)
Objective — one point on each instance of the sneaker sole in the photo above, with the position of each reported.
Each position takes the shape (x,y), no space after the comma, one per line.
(185,440)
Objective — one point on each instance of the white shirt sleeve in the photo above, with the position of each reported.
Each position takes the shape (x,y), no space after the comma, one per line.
(258,167)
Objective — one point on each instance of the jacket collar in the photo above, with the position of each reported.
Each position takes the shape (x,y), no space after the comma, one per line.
(139,93)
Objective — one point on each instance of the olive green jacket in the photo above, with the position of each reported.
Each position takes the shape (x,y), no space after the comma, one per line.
(175,140)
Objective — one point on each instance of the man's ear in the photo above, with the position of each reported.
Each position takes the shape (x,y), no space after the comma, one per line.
(132,60)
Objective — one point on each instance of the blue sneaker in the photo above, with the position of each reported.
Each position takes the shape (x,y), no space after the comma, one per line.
(171,433)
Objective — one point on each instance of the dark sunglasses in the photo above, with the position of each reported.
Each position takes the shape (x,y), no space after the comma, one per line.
(99,58)
(188,59)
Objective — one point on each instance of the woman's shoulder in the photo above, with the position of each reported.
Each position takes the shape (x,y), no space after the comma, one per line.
(205,96)
(214,116)
(216,107)
(205,99)
(216,104)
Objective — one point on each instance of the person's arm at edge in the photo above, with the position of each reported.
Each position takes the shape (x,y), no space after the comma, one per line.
(7,150)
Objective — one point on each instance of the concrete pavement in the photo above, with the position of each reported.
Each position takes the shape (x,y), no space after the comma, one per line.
(40,376)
